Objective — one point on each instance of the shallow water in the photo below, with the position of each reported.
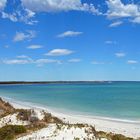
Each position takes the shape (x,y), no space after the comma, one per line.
(117,99)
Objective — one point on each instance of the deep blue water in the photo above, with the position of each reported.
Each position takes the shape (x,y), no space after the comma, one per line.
(116,99)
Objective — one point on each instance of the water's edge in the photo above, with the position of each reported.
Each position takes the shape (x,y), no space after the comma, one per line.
(75,114)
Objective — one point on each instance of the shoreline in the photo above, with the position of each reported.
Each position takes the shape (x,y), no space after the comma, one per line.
(28,105)
(117,126)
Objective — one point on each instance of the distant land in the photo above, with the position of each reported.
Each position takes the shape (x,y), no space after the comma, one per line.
(47,82)
(57,82)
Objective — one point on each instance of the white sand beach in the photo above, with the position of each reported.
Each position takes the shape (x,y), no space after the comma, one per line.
(124,127)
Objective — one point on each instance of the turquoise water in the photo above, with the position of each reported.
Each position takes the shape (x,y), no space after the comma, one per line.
(117,99)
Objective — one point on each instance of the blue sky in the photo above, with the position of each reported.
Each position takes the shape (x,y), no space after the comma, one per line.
(69,40)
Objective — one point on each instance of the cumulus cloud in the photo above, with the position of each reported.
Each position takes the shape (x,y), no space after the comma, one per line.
(69,34)
(34,47)
(20,36)
(2,4)
(58,5)
(59,52)
(27,9)
(117,9)
(120,54)
(132,61)
(136,20)
(115,24)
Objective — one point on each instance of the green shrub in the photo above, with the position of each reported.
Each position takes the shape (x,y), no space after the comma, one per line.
(120,137)
(18,129)
(8,132)
(101,134)
(76,138)
(9,137)
(48,118)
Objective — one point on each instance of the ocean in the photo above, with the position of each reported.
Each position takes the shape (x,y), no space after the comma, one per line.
(120,100)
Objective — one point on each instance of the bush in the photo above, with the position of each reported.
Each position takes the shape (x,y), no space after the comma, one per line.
(24,115)
(18,129)
(9,137)
(8,132)
(48,118)
(120,137)
(101,134)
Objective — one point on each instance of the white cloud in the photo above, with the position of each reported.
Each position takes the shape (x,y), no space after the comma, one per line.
(41,62)
(136,20)
(20,36)
(132,62)
(34,47)
(12,17)
(117,9)
(27,9)
(120,54)
(115,24)
(59,52)
(46,61)
(23,59)
(20,15)
(69,34)
(2,4)
(16,61)
(30,13)
(58,5)
(22,56)
(26,16)
(74,60)
(110,42)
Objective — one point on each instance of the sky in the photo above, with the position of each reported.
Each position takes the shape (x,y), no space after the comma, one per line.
(56,40)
